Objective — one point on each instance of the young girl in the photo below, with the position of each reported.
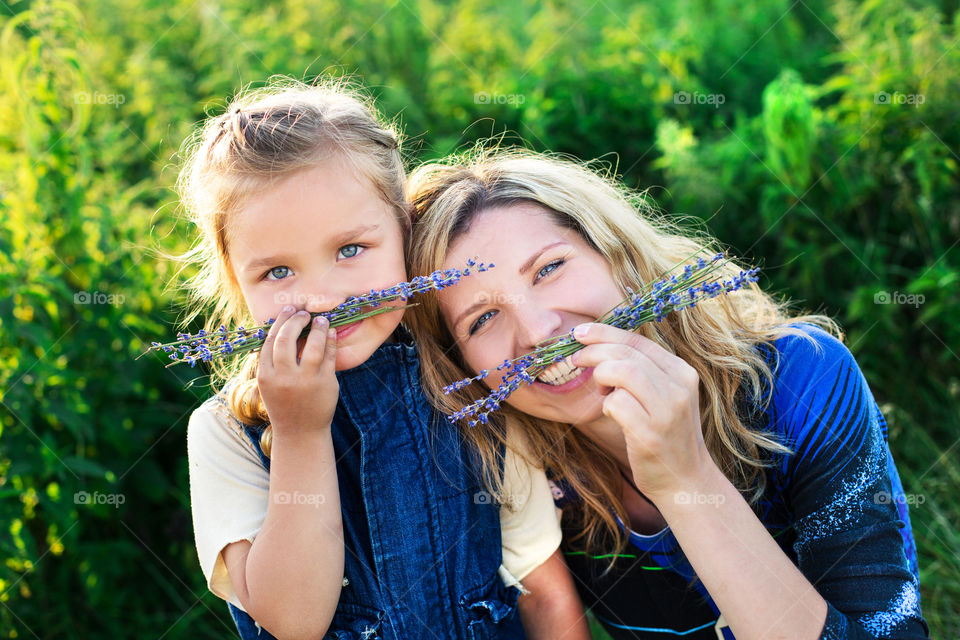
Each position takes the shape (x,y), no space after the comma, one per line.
(329,500)
(723,472)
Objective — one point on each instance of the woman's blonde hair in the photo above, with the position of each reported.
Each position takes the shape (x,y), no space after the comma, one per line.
(264,136)
(717,337)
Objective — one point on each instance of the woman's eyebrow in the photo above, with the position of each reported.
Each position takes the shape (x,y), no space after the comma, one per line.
(526,266)
(532,259)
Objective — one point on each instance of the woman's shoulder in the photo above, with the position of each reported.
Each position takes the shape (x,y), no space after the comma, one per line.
(805,354)
(809,342)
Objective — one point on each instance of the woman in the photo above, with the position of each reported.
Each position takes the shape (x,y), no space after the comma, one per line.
(722,473)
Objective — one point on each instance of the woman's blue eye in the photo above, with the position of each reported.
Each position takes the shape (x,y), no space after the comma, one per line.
(549,268)
(479,322)
(350,250)
(278,273)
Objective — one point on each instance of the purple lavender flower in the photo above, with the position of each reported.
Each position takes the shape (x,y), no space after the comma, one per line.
(669,294)
(204,346)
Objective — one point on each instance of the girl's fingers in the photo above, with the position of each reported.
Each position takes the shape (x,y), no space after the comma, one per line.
(328,366)
(266,350)
(285,345)
(313,351)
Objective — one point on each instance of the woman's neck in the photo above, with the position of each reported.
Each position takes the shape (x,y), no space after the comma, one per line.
(609,436)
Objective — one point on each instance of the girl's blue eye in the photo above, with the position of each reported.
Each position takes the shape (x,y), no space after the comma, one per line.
(350,250)
(550,268)
(479,322)
(278,273)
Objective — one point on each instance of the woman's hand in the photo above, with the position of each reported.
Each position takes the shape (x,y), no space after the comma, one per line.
(299,391)
(655,399)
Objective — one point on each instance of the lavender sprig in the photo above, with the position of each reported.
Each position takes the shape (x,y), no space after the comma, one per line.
(206,346)
(654,302)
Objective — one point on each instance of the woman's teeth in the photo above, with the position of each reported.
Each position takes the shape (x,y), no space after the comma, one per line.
(560,373)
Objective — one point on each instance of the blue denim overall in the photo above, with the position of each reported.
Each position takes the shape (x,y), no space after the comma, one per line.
(422,542)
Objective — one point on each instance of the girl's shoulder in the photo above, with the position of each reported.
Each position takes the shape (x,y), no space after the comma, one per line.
(213,425)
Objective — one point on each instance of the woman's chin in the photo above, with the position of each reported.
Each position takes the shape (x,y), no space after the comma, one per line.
(587,408)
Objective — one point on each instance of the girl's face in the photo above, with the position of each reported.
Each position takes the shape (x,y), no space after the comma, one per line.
(546,280)
(311,241)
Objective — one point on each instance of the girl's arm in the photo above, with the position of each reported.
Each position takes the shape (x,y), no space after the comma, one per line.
(289,579)
(552,608)
(530,534)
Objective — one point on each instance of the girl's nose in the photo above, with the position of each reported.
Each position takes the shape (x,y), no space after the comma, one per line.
(319,302)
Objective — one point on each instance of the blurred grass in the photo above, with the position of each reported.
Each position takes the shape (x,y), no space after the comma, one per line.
(793,131)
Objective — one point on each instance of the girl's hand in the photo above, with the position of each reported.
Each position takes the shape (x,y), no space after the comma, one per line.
(655,400)
(299,392)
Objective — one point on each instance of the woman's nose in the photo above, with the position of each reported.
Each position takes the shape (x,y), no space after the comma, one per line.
(535,324)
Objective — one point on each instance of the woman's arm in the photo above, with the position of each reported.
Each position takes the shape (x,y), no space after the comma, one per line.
(761,593)
(844,541)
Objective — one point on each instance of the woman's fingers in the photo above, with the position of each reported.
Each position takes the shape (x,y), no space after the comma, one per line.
(595,333)
(641,380)
(594,354)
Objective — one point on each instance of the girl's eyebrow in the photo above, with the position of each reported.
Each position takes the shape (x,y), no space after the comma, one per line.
(339,239)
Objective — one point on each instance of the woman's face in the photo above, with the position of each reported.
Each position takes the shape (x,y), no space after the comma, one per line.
(311,241)
(546,280)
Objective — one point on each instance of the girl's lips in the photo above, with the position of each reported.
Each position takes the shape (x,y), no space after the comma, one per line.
(566,386)
(342,332)
(347,329)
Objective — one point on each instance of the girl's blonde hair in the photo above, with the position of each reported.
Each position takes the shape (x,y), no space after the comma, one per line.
(264,136)
(717,337)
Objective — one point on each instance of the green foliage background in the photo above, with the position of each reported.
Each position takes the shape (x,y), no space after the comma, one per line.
(803,145)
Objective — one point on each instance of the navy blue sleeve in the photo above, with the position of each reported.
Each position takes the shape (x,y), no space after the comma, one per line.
(854,542)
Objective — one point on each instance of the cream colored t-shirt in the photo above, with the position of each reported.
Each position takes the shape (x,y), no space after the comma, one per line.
(229,494)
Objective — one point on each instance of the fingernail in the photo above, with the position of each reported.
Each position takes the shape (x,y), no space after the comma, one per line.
(288,308)
(580,331)
(318,320)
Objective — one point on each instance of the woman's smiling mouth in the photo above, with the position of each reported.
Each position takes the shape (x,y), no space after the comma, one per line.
(563,376)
